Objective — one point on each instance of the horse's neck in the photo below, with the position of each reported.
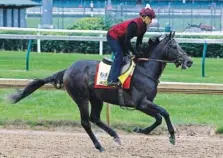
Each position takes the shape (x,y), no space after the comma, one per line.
(153,68)
(147,51)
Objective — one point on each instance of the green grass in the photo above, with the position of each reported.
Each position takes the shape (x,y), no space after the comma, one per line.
(58,22)
(56,107)
(13,65)
(220,130)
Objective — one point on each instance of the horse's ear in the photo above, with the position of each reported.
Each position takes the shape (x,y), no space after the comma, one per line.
(158,38)
(173,34)
(170,35)
(150,41)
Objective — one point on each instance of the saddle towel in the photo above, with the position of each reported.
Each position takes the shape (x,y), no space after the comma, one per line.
(103,69)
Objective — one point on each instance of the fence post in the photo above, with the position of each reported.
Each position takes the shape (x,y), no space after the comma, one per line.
(108,109)
(221,23)
(38,44)
(108,114)
(27,54)
(101,46)
(203,58)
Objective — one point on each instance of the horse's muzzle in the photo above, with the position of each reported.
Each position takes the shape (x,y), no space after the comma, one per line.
(187,63)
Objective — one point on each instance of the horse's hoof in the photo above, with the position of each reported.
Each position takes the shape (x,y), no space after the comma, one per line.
(18,90)
(117,140)
(172,140)
(101,149)
(12,99)
(137,129)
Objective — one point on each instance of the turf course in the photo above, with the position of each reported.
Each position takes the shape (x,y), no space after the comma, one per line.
(55,107)
(13,64)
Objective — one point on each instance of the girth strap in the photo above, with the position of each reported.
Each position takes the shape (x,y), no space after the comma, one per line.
(121,97)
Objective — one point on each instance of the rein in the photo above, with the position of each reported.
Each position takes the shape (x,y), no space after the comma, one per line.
(151,59)
(158,60)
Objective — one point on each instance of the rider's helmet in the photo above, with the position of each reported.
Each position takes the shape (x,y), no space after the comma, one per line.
(147,11)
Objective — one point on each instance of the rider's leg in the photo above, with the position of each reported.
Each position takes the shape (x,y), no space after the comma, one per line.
(116,65)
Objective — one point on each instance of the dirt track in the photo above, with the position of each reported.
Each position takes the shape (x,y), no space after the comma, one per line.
(27,143)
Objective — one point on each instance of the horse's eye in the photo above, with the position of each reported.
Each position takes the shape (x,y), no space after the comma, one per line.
(174,47)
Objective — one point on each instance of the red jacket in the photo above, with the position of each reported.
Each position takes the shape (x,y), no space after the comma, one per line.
(120,30)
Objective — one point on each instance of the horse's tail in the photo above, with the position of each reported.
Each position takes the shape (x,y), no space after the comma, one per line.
(56,79)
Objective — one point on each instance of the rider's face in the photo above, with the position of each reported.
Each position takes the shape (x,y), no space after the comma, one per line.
(147,20)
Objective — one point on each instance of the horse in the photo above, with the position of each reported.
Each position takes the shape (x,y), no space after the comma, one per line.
(78,80)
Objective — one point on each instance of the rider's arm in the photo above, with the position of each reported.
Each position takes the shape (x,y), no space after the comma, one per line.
(139,40)
(131,32)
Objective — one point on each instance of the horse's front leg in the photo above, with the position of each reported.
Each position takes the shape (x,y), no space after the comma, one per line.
(155,111)
(149,129)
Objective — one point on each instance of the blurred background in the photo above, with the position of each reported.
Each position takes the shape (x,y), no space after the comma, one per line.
(180,15)
(171,15)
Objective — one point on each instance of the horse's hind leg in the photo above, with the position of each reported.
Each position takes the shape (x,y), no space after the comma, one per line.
(85,122)
(96,107)
(82,103)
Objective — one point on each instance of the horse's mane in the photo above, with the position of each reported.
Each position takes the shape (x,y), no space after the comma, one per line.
(153,42)
(149,47)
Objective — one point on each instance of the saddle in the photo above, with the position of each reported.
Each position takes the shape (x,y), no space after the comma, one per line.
(103,69)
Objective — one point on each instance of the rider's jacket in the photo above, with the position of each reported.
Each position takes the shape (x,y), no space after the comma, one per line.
(118,31)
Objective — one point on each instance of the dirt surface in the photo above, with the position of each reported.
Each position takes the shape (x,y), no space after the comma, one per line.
(76,144)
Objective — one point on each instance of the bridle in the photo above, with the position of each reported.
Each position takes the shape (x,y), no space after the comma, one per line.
(158,60)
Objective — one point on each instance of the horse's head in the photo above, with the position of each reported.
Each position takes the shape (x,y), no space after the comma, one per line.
(171,51)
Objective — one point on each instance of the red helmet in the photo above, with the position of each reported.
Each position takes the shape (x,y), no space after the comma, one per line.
(147,11)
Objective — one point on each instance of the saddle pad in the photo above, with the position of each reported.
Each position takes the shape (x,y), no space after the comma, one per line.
(102,73)
(126,77)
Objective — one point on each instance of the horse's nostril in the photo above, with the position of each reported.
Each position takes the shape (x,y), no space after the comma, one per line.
(189,63)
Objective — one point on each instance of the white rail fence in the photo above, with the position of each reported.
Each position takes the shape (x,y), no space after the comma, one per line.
(95,35)
(166,87)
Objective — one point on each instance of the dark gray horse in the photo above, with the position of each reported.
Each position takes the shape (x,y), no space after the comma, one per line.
(78,80)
